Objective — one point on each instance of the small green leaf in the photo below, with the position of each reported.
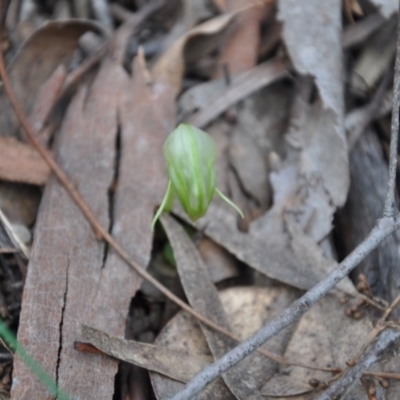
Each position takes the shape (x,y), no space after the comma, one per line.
(190,154)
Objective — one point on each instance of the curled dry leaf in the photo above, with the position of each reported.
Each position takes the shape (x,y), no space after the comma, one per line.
(170,67)
(51,45)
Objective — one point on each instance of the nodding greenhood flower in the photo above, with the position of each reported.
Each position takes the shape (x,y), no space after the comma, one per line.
(190,154)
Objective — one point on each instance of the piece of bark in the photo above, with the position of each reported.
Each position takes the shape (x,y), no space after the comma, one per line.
(369,174)
(145,121)
(67,261)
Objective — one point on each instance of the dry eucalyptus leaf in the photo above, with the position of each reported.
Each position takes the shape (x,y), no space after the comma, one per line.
(250,164)
(240,52)
(170,67)
(264,116)
(220,132)
(178,365)
(221,264)
(51,45)
(312,33)
(247,309)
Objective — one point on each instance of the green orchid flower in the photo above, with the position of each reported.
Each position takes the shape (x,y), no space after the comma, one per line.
(190,154)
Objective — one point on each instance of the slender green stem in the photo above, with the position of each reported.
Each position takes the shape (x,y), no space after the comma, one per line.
(165,205)
(230,202)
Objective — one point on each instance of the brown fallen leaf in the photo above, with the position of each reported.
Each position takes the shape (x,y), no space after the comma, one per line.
(20,162)
(51,45)
(240,52)
(221,265)
(178,365)
(170,67)
(312,35)
(250,164)
(261,122)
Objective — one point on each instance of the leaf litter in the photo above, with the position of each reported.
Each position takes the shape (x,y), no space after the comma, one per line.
(277,113)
